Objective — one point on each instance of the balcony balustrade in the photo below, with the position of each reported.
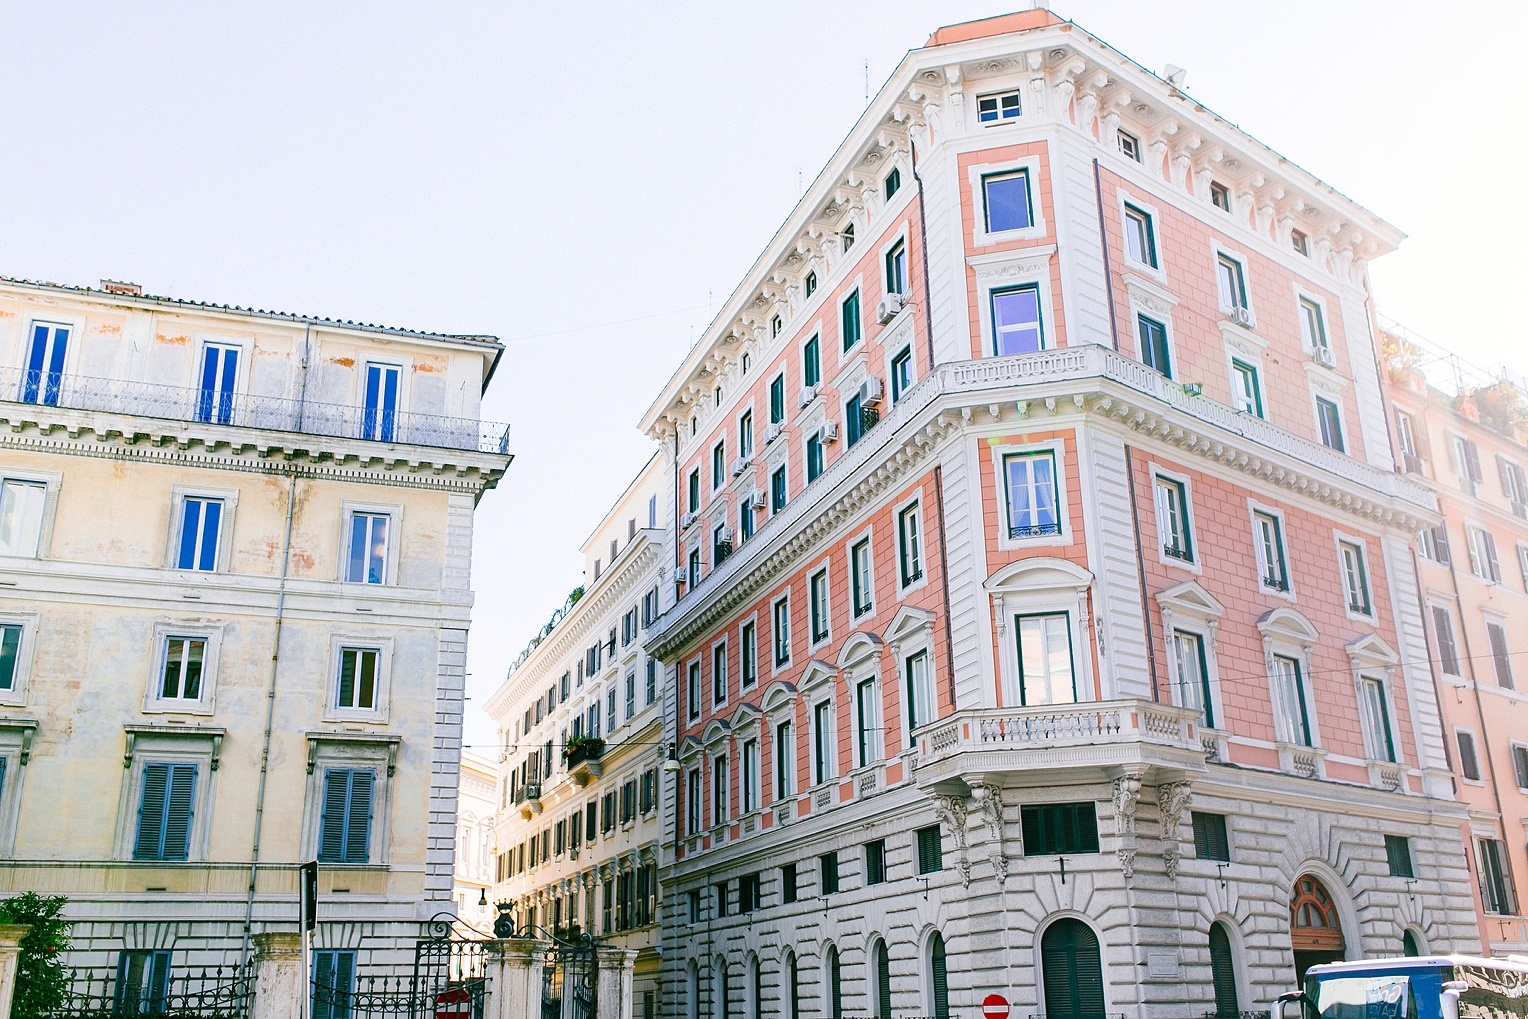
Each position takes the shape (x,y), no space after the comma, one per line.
(247,410)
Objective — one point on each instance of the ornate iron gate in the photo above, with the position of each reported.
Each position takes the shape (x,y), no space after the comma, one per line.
(446,979)
(570,979)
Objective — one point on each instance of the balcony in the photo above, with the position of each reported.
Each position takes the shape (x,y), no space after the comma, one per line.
(245,410)
(582,756)
(528,799)
(1080,741)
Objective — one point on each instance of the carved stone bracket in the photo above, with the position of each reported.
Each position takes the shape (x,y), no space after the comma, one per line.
(1172,799)
(952,813)
(1127,794)
(989,800)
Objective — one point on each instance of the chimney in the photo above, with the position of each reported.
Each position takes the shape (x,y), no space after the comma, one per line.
(122,289)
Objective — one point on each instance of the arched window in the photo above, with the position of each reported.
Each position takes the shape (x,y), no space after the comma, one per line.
(1073,971)
(792,988)
(1410,946)
(882,989)
(1223,971)
(835,985)
(721,1004)
(692,991)
(753,988)
(938,982)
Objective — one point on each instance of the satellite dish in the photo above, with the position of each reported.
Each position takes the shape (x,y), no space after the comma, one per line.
(1175,75)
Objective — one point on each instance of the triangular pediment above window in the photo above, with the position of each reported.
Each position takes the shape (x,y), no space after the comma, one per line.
(1038,573)
(858,648)
(1191,598)
(778,696)
(689,747)
(717,731)
(817,673)
(908,622)
(1289,624)
(1371,649)
(746,716)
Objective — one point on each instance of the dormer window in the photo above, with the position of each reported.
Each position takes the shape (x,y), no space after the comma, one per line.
(848,236)
(811,283)
(999,108)
(1220,196)
(775,325)
(1300,242)
(1129,145)
(893,183)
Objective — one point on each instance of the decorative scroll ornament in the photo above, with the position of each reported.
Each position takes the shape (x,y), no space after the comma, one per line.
(1127,794)
(989,800)
(952,813)
(1172,799)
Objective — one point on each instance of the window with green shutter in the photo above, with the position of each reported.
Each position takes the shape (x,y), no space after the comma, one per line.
(1073,971)
(143,979)
(882,981)
(829,865)
(1398,856)
(333,984)
(164,812)
(939,977)
(1059,829)
(345,827)
(1211,842)
(1223,973)
(875,862)
(835,984)
(930,850)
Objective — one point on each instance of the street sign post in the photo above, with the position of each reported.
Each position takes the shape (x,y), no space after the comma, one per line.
(995,1006)
(307,912)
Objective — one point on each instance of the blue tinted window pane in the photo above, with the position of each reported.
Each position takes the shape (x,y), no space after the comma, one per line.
(190,526)
(356,572)
(1007,202)
(10,646)
(1016,321)
(212,513)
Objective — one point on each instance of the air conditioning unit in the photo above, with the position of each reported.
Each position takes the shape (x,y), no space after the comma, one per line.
(827,432)
(1242,317)
(808,394)
(773,432)
(888,308)
(870,391)
(1323,355)
(758,499)
(725,538)
(741,464)
(686,520)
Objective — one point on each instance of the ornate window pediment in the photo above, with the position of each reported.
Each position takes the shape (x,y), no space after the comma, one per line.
(778,696)
(714,733)
(1192,600)
(689,748)
(908,622)
(859,648)
(1289,625)
(817,673)
(1036,574)
(1370,651)
(745,718)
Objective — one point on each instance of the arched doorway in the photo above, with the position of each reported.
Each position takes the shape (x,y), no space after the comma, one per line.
(1315,932)
(1073,971)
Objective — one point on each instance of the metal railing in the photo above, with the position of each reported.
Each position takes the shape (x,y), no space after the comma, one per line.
(207,992)
(247,410)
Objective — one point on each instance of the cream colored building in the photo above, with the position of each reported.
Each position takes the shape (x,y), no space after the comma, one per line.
(579,831)
(475,811)
(235,550)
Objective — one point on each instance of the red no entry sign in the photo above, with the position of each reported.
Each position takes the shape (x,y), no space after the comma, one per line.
(995,1006)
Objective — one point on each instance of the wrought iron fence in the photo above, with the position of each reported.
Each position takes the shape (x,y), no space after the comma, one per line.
(446,980)
(246,410)
(208,992)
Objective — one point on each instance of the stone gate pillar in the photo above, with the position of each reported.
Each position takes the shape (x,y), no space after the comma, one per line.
(513,968)
(279,993)
(615,980)
(10,948)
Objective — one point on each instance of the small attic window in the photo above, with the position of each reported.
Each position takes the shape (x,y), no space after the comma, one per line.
(1300,242)
(998,108)
(811,283)
(1220,196)
(848,236)
(1130,146)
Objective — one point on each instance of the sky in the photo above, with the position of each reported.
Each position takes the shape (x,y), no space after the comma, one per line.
(590,181)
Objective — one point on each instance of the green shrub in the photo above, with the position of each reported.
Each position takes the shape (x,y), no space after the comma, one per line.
(42,978)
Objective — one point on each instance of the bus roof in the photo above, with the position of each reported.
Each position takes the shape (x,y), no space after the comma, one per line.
(1515,964)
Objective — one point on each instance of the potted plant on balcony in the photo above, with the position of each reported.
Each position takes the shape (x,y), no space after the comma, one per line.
(582,748)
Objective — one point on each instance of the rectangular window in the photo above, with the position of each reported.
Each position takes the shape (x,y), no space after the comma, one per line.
(1520,764)
(1292,720)
(745,434)
(692,802)
(1496,634)
(854,419)
(201,525)
(720,890)
(1376,720)
(345,820)
(631,694)
(1129,145)
(850,319)
(745,518)
(1220,197)
(814,459)
(1059,829)
(819,606)
(785,761)
(1232,282)
(1299,242)
(1466,457)
(43,378)
(995,109)
(1482,548)
(811,284)
(788,884)
(920,691)
(1140,237)
(692,691)
(1272,567)
(896,269)
(777,399)
(650,692)
(1172,519)
(1211,841)
(1496,892)
(183,660)
(909,545)
(694,491)
(379,417)
(1355,578)
(859,566)
(1045,659)
(930,850)
(822,742)
(367,563)
(1513,485)
(811,362)
(777,489)
(867,709)
(1007,203)
(846,237)
(901,373)
(164,812)
(721,793)
(1033,494)
(21,506)
(143,983)
(892,183)
(1443,632)
(718,465)
(1330,419)
(693,569)
(782,627)
(748,893)
(610,709)
(828,871)
(1247,390)
(721,544)
(333,984)
(357,686)
(749,793)
(1469,764)
(1398,856)
(875,862)
(1016,326)
(1312,325)
(1193,675)
(1153,339)
(748,665)
(220,373)
(719,675)
(10,650)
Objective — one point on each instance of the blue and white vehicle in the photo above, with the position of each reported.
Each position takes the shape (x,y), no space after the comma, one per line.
(1426,987)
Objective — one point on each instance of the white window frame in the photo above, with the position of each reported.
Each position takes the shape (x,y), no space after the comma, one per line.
(1319,393)
(1008,270)
(26,652)
(50,480)
(750,799)
(719,644)
(874,732)
(1319,303)
(1032,165)
(193,746)
(229,497)
(205,704)
(775,665)
(746,409)
(1123,198)
(752,619)
(1522,563)
(913,501)
(830,762)
(847,289)
(823,567)
(900,237)
(1479,560)
(377,754)
(394,512)
(1391,734)
(1189,608)
(1253,509)
(1057,448)
(1480,772)
(695,670)
(1161,472)
(865,536)
(1288,634)
(384,647)
(1040,585)
(1219,251)
(1339,539)
(999,96)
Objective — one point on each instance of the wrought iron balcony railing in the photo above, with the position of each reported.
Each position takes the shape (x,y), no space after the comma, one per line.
(246,410)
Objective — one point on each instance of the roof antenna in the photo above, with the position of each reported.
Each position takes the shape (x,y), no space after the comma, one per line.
(1176,76)
(867,82)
